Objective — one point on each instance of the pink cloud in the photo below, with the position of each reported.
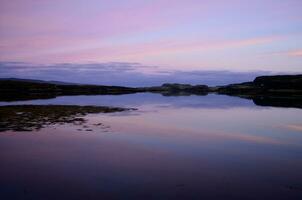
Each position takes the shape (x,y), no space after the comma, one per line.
(291,53)
(34,29)
(134,30)
(295,53)
(63,49)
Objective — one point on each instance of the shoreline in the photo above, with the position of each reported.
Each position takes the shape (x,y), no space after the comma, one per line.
(280,90)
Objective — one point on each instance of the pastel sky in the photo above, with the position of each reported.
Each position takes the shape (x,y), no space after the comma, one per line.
(235,35)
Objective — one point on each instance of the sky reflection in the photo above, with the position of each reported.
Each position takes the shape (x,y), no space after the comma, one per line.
(175,150)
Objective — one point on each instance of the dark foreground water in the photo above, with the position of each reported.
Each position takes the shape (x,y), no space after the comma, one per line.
(194,147)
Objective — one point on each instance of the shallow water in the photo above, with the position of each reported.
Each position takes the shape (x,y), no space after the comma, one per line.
(189,147)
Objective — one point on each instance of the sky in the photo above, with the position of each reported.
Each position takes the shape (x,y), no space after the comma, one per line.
(153,36)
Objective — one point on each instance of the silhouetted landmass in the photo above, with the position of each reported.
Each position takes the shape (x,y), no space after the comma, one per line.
(266,85)
(281,91)
(278,91)
(37,81)
(35,117)
(293,82)
(175,89)
(12,90)
(15,89)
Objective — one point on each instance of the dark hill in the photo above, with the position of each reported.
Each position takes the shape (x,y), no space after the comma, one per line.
(283,90)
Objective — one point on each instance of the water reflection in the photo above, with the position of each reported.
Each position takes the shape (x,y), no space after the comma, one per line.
(209,147)
(143,99)
(206,100)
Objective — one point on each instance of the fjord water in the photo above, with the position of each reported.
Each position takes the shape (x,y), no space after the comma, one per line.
(186,147)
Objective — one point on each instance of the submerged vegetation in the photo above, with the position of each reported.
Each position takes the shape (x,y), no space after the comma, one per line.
(35,117)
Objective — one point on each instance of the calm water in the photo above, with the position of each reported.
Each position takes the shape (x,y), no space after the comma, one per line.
(194,147)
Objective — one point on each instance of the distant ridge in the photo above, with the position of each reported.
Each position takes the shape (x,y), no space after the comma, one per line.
(38,81)
(281,90)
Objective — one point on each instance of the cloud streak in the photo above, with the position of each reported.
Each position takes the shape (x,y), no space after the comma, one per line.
(190,34)
(295,53)
(121,73)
